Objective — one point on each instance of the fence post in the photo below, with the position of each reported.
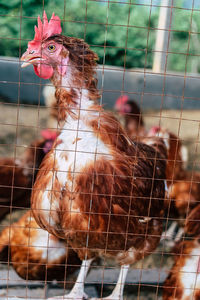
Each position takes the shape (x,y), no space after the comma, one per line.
(162,36)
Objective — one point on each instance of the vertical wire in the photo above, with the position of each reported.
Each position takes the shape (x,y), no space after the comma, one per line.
(160,119)
(183,92)
(67,262)
(101,103)
(150,196)
(133,177)
(15,146)
(187,210)
(99,121)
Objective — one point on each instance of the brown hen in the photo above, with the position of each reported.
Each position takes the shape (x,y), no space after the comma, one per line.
(96,188)
(18,175)
(183,186)
(34,253)
(133,119)
(183,281)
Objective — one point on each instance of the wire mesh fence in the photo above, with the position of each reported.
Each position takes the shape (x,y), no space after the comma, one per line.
(94,197)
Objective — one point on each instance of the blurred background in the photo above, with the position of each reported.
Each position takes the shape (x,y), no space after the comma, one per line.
(148,49)
(123,33)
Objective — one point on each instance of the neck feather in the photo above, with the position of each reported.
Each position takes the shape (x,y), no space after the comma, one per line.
(74,95)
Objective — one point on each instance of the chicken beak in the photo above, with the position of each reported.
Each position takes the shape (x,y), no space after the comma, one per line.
(28,59)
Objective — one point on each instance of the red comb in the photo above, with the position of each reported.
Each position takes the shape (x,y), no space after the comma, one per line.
(154,130)
(121,101)
(49,134)
(46,29)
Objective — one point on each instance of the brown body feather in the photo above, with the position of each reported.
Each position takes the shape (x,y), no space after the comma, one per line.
(17,177)
(192,226)
(134,122)
(183,281)
(35,255)
(183,186)
(113,197)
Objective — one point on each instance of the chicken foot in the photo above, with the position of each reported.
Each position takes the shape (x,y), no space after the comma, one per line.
(179,235)
(77,292)
(170,232)
(117,293)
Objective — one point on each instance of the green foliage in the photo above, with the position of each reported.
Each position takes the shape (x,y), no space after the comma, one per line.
(184,46)
(103,27)
(121,34)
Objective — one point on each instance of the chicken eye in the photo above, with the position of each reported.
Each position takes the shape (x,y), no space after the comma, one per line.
(51,48)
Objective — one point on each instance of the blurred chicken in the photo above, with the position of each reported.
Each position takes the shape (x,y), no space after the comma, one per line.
(34,253)
(183,281)
(133,120)
(96,188)
(18,175)
(177,153)
(183,186)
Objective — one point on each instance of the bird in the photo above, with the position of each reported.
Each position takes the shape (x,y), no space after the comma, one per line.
(183,193)
(176,152)
(95,188)
(133,119)
(183,281)
(34,253)
(17,175)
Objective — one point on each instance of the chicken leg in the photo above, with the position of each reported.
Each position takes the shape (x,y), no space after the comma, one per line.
(77,292)
(170,232)
(117,293)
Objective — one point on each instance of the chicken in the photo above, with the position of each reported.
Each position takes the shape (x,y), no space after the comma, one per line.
(95,188)
(17,175)
(175,152)
(183,281)
(133,120)
(13,185)
(183,186)
(34,253)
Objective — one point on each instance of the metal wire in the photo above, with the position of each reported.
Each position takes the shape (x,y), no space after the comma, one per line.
(151,116)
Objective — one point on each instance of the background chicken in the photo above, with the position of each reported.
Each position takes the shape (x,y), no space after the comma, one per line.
(18,175)
(183,186)
(95,188)
(133,119)
(34,253)
(183,281)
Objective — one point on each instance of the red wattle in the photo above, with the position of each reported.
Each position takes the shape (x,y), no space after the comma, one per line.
(43,71)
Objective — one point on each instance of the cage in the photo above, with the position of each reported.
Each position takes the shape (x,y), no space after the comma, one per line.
(102,188)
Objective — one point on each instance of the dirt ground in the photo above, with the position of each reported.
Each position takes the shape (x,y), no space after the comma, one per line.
(19,125)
